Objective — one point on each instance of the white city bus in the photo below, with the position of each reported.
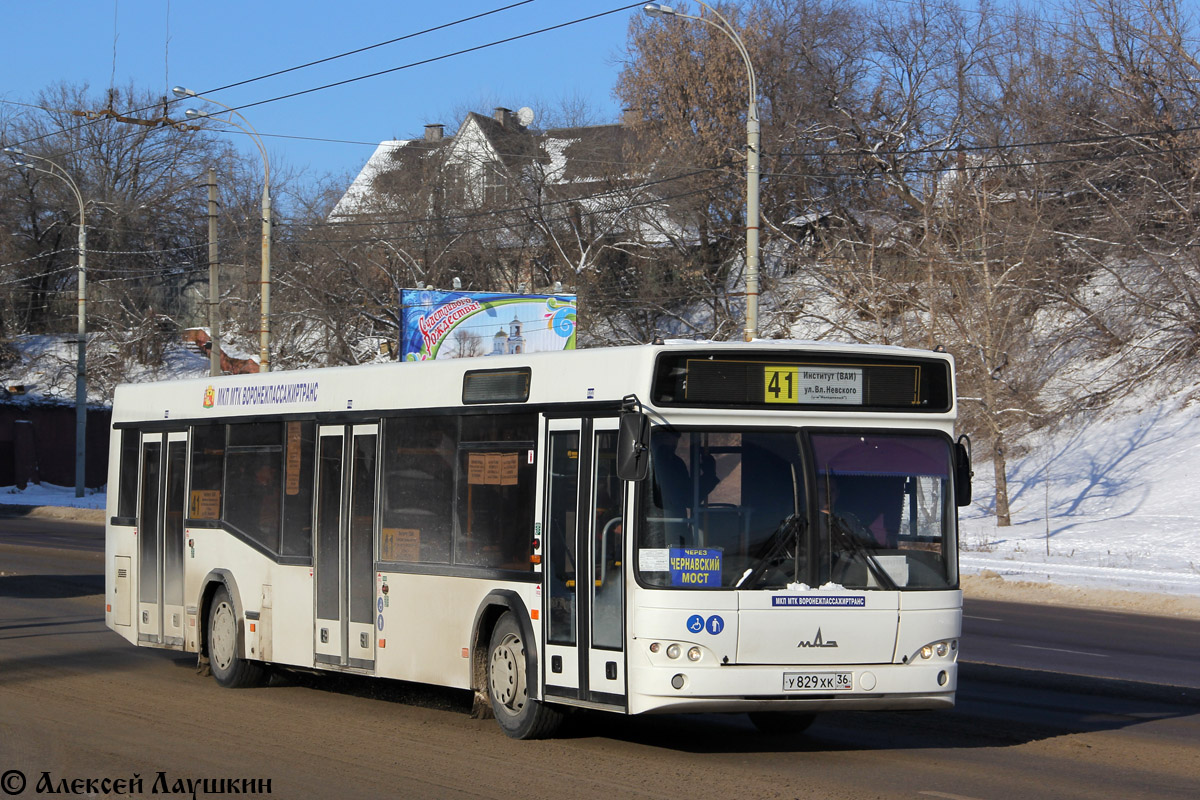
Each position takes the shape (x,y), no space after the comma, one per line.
(766,528)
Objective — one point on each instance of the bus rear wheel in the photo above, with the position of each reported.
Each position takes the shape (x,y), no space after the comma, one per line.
(520,716)
(781,723)
(227,668)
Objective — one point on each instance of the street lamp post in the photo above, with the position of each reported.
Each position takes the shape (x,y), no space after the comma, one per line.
(61,174)
(752,155)
(264,327)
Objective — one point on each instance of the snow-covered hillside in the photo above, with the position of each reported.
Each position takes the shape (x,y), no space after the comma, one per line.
(1112,496)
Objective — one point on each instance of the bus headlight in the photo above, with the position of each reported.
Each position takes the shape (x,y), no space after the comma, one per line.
(694,654)
(673,651)
(942,649)
(927,651)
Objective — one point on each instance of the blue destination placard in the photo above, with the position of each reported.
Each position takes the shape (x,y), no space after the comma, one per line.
(695,566)
(811,601)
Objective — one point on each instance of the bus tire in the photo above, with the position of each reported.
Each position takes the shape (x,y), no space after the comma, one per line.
(781,723)
(520,716)
(227,668)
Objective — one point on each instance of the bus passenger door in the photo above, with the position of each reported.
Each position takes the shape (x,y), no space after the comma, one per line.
(160,535)
(584,582)
(343,567)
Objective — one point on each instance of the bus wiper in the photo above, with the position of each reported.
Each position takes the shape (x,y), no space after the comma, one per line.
(790,531)
(838,527)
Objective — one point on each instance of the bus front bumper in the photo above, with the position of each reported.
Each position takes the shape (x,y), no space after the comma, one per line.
(688,687)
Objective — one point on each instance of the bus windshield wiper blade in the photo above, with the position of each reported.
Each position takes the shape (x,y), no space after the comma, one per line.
(839,527)
(789,531)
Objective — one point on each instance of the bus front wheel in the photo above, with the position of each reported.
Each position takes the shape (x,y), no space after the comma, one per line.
(229,670)
(520,716)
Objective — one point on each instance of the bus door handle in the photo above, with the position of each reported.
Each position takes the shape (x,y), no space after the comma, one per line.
(603,554)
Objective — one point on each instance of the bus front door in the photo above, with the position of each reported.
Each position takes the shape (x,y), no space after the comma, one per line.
(584,596)
(343,567)
(160,534)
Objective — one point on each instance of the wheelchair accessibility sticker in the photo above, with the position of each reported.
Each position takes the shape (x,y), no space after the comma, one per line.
(697,624)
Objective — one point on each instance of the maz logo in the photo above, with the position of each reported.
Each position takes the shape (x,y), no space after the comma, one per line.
(818,641)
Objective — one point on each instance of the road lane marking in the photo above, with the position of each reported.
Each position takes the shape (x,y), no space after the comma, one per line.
(949,796)
(1060,650)
(989,619)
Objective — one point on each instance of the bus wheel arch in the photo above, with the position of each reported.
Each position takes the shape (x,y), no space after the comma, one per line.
(494,606)
(213,581)
(504,647)
(220,597)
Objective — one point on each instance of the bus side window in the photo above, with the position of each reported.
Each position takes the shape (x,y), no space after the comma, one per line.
(495,492)
(418,486)
(253,502)
(208,472)
(128,486)
(298,479)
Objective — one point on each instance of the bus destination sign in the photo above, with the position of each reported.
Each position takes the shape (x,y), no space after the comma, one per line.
(800,380)
(804,384)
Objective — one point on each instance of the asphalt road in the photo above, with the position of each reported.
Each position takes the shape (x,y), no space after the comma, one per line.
(1108,644)
(77,702)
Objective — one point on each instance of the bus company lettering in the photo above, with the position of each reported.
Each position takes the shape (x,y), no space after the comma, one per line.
(439,323)
(691,566)
(265,395)
(808,601)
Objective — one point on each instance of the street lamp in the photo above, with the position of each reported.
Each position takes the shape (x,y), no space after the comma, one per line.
(264,326)
(752,154)
(81,337)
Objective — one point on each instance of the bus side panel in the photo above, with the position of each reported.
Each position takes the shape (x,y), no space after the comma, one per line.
(120,580)
(290,620)
(210,549)
(120,554)
(426,626)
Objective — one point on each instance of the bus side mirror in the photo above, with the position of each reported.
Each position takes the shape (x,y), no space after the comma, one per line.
(633,446)
(962,472)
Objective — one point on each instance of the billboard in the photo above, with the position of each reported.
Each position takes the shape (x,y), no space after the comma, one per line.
(436,324)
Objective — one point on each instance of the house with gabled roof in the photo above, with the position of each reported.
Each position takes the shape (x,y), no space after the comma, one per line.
(501,162)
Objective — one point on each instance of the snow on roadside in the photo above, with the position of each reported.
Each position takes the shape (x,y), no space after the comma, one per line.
(50,495)
(1120,489)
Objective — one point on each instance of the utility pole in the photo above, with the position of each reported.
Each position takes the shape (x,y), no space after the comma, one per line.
(264,325)
(214,295)
(55,170)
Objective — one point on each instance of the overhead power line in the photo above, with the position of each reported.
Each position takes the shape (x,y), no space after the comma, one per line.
(368,47)
(157,105)
(442,57)
(952,149)
(423,236)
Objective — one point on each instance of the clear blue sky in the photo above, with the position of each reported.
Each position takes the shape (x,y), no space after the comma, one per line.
(205,44)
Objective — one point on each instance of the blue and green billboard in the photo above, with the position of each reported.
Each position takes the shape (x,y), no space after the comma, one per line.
(436,324)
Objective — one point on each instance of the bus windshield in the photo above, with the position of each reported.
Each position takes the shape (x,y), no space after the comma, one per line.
(725,509)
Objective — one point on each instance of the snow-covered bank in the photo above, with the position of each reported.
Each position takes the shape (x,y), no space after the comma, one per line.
(48,495)
(1120,490)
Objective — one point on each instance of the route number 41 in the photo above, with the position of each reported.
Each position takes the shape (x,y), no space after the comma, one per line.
(781,384)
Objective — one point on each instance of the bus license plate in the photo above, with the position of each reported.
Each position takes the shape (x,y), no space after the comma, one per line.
(818,681)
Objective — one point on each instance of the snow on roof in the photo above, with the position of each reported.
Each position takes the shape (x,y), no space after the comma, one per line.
(361,188)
